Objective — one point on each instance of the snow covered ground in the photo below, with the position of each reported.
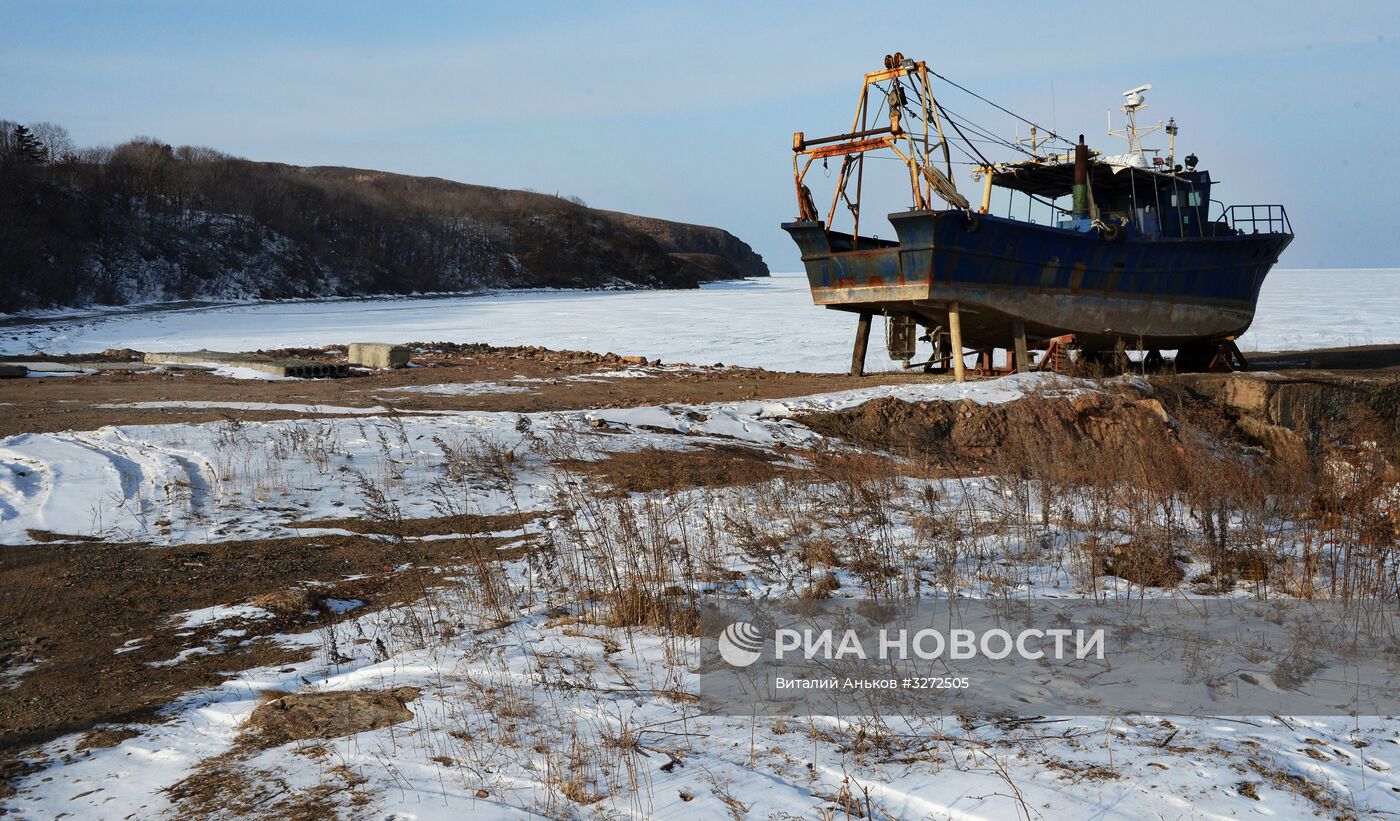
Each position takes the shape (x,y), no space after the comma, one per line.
(757,323)
(538,719)
(524,708)
(252,479)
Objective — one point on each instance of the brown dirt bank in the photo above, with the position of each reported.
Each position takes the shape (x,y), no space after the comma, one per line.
(54,404)
(966,434)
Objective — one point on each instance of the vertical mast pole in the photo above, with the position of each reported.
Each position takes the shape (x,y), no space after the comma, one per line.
(924,110)
(1081,179)
(937,121)
(863,116)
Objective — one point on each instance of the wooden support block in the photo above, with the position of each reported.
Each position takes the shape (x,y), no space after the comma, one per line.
(1023,357)
(862,341)
(955,337)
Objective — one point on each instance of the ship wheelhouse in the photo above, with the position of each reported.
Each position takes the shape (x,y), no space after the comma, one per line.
(1146,202)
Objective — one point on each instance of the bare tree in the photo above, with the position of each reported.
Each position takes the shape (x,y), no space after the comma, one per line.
(194,154)
(95,155)
(58,145)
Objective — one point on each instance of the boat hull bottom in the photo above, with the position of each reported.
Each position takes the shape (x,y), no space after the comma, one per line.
(1143,293)
(987,320)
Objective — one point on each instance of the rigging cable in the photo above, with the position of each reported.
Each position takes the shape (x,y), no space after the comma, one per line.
(954,124)
(990,136)
(1051,132)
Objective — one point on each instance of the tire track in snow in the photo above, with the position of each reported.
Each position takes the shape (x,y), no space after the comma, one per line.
(154,477)
(21,480)
(128,472)
(100,482)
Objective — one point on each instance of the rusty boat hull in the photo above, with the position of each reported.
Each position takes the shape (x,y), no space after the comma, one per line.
(1143,291)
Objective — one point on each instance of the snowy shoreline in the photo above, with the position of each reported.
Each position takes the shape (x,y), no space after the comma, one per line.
(769,323)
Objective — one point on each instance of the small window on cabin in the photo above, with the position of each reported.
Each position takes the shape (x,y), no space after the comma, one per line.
(1193,198)
(1174,202)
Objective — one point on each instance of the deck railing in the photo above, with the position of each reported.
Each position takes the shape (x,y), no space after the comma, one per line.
(1256,219)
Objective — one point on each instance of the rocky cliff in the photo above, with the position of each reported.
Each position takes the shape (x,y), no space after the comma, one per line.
(713,250)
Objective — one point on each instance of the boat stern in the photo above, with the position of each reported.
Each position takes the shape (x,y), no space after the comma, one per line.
(851,272)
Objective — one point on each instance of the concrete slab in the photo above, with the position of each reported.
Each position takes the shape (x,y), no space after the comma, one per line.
(378,355)
(52,367)
(301,368)
(83,367)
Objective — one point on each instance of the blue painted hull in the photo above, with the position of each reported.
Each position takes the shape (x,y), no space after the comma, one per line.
(1150,292)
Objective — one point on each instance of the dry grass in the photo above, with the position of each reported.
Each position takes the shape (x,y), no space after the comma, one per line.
(709,466)
(1144,486)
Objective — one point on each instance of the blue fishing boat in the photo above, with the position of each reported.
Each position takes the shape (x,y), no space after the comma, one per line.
(1130,253)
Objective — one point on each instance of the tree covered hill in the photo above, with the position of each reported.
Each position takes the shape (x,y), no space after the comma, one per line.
(148,222)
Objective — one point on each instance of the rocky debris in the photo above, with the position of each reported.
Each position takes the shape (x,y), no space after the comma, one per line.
(289,604)
(437,353)
(1289,409)
(13,771)
(536,353)
(325,352)
(109,355)
(96,366)
(16,653)
(298,716)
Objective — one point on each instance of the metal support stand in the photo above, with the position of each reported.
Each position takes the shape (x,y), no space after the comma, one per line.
(862,341)
(1219,355)
(1057,356)
(1229,357)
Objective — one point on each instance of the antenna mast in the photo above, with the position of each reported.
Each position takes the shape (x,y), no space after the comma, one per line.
(1133,102)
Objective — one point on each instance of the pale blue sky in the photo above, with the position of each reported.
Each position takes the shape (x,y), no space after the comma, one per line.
(687,111)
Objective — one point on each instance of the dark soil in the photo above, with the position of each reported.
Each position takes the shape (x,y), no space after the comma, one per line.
(55,404)
(69,607)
